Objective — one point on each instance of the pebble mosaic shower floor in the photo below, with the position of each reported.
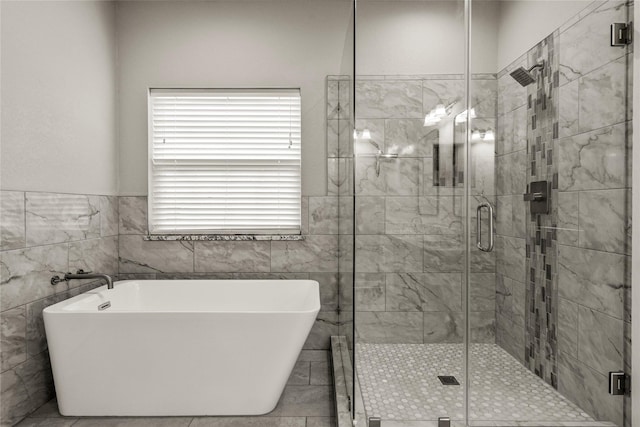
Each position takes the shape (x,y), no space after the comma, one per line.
(400,382)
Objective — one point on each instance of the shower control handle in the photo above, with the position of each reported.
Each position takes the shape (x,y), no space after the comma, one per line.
(489,246)
(536,197)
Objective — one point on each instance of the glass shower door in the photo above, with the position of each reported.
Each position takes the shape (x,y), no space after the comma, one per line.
(408,187)
(549,307)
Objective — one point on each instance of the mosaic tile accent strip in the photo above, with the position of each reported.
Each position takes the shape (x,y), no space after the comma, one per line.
(399,382)
(541,314)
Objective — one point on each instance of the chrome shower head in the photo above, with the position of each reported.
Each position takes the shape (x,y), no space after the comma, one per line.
(524,76)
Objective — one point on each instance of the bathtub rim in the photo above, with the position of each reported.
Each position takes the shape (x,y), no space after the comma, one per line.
(60,308)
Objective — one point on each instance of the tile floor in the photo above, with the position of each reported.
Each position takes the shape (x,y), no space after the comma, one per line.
(307,401)
(399,382)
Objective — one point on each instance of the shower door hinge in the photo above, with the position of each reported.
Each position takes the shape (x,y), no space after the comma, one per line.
(619,383)
(621,33)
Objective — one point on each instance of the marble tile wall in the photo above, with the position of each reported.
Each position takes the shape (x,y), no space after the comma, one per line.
(409,219)
(315,257)
(41,235)
(586,266)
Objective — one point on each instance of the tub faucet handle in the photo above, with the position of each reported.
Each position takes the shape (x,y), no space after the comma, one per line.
(81,271)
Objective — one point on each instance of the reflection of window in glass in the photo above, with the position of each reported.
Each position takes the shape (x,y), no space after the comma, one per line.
(224,161)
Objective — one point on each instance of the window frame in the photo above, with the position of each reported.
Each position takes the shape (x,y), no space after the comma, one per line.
(213,232)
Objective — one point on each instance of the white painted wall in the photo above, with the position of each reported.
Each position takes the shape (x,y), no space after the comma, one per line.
(424,37)
(58,85)
(230,44)
(524,23)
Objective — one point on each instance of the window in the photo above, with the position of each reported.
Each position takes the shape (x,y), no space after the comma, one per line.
(224,161)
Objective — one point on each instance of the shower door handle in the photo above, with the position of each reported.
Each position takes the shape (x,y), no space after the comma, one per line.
(489,247)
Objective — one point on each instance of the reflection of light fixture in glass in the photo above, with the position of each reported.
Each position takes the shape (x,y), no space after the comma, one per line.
(462,117)
(437,114)
(364,134)
(482,135)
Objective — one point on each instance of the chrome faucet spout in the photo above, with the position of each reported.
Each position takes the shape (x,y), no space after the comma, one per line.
(89,275)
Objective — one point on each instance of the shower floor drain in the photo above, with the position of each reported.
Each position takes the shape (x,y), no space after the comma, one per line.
(448,380)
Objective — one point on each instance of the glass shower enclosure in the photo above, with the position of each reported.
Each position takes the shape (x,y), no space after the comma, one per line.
(485,212)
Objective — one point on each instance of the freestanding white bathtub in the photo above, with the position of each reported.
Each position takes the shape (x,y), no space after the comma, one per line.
(179,347)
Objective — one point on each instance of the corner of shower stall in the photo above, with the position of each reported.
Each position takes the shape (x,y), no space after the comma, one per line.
(485,219)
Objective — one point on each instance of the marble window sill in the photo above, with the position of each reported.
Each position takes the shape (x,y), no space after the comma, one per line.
(222,237)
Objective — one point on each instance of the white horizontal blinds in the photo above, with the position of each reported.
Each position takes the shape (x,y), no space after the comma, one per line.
(225,161)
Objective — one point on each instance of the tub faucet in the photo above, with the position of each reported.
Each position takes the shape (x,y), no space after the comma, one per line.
(81,274)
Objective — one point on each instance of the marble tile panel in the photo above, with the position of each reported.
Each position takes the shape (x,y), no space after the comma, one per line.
(504,297)
(603,96)
(108,215)
(323,215)
(314,254)
(483,327)
(232,257)
(368,183)
(344,96)
(604,224)
(13,337)
(568,124)
(328,289)
(339,182)
(593,279)
(97,255)
(57,218)
(132,215)
(389,327)
(504,216)
(424,292)
(300,374)
(408,138)
(320,373)
(12,225)
(36,336)
(134,422)
(370,215)
(333,99)
(402,176)
(568,218)
(588,389)
(376,128)
(314,356)
(423,215)
(594,160)
(511,262)
(443,327)
(389,99)
(479,261)
(389,253)
(339,138)
(25,388)
(248,422)
(325,326)
(321,422)
(26,274)
(370,292)
(443,253)
(483,291)
(300,400)
(520,209)
(600,341)
(445,92)
(345,253)
(345,215)
(519,303)
(48,422)
(484,96)
(586,45)
(519,129)
(141,256)
(510,94)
